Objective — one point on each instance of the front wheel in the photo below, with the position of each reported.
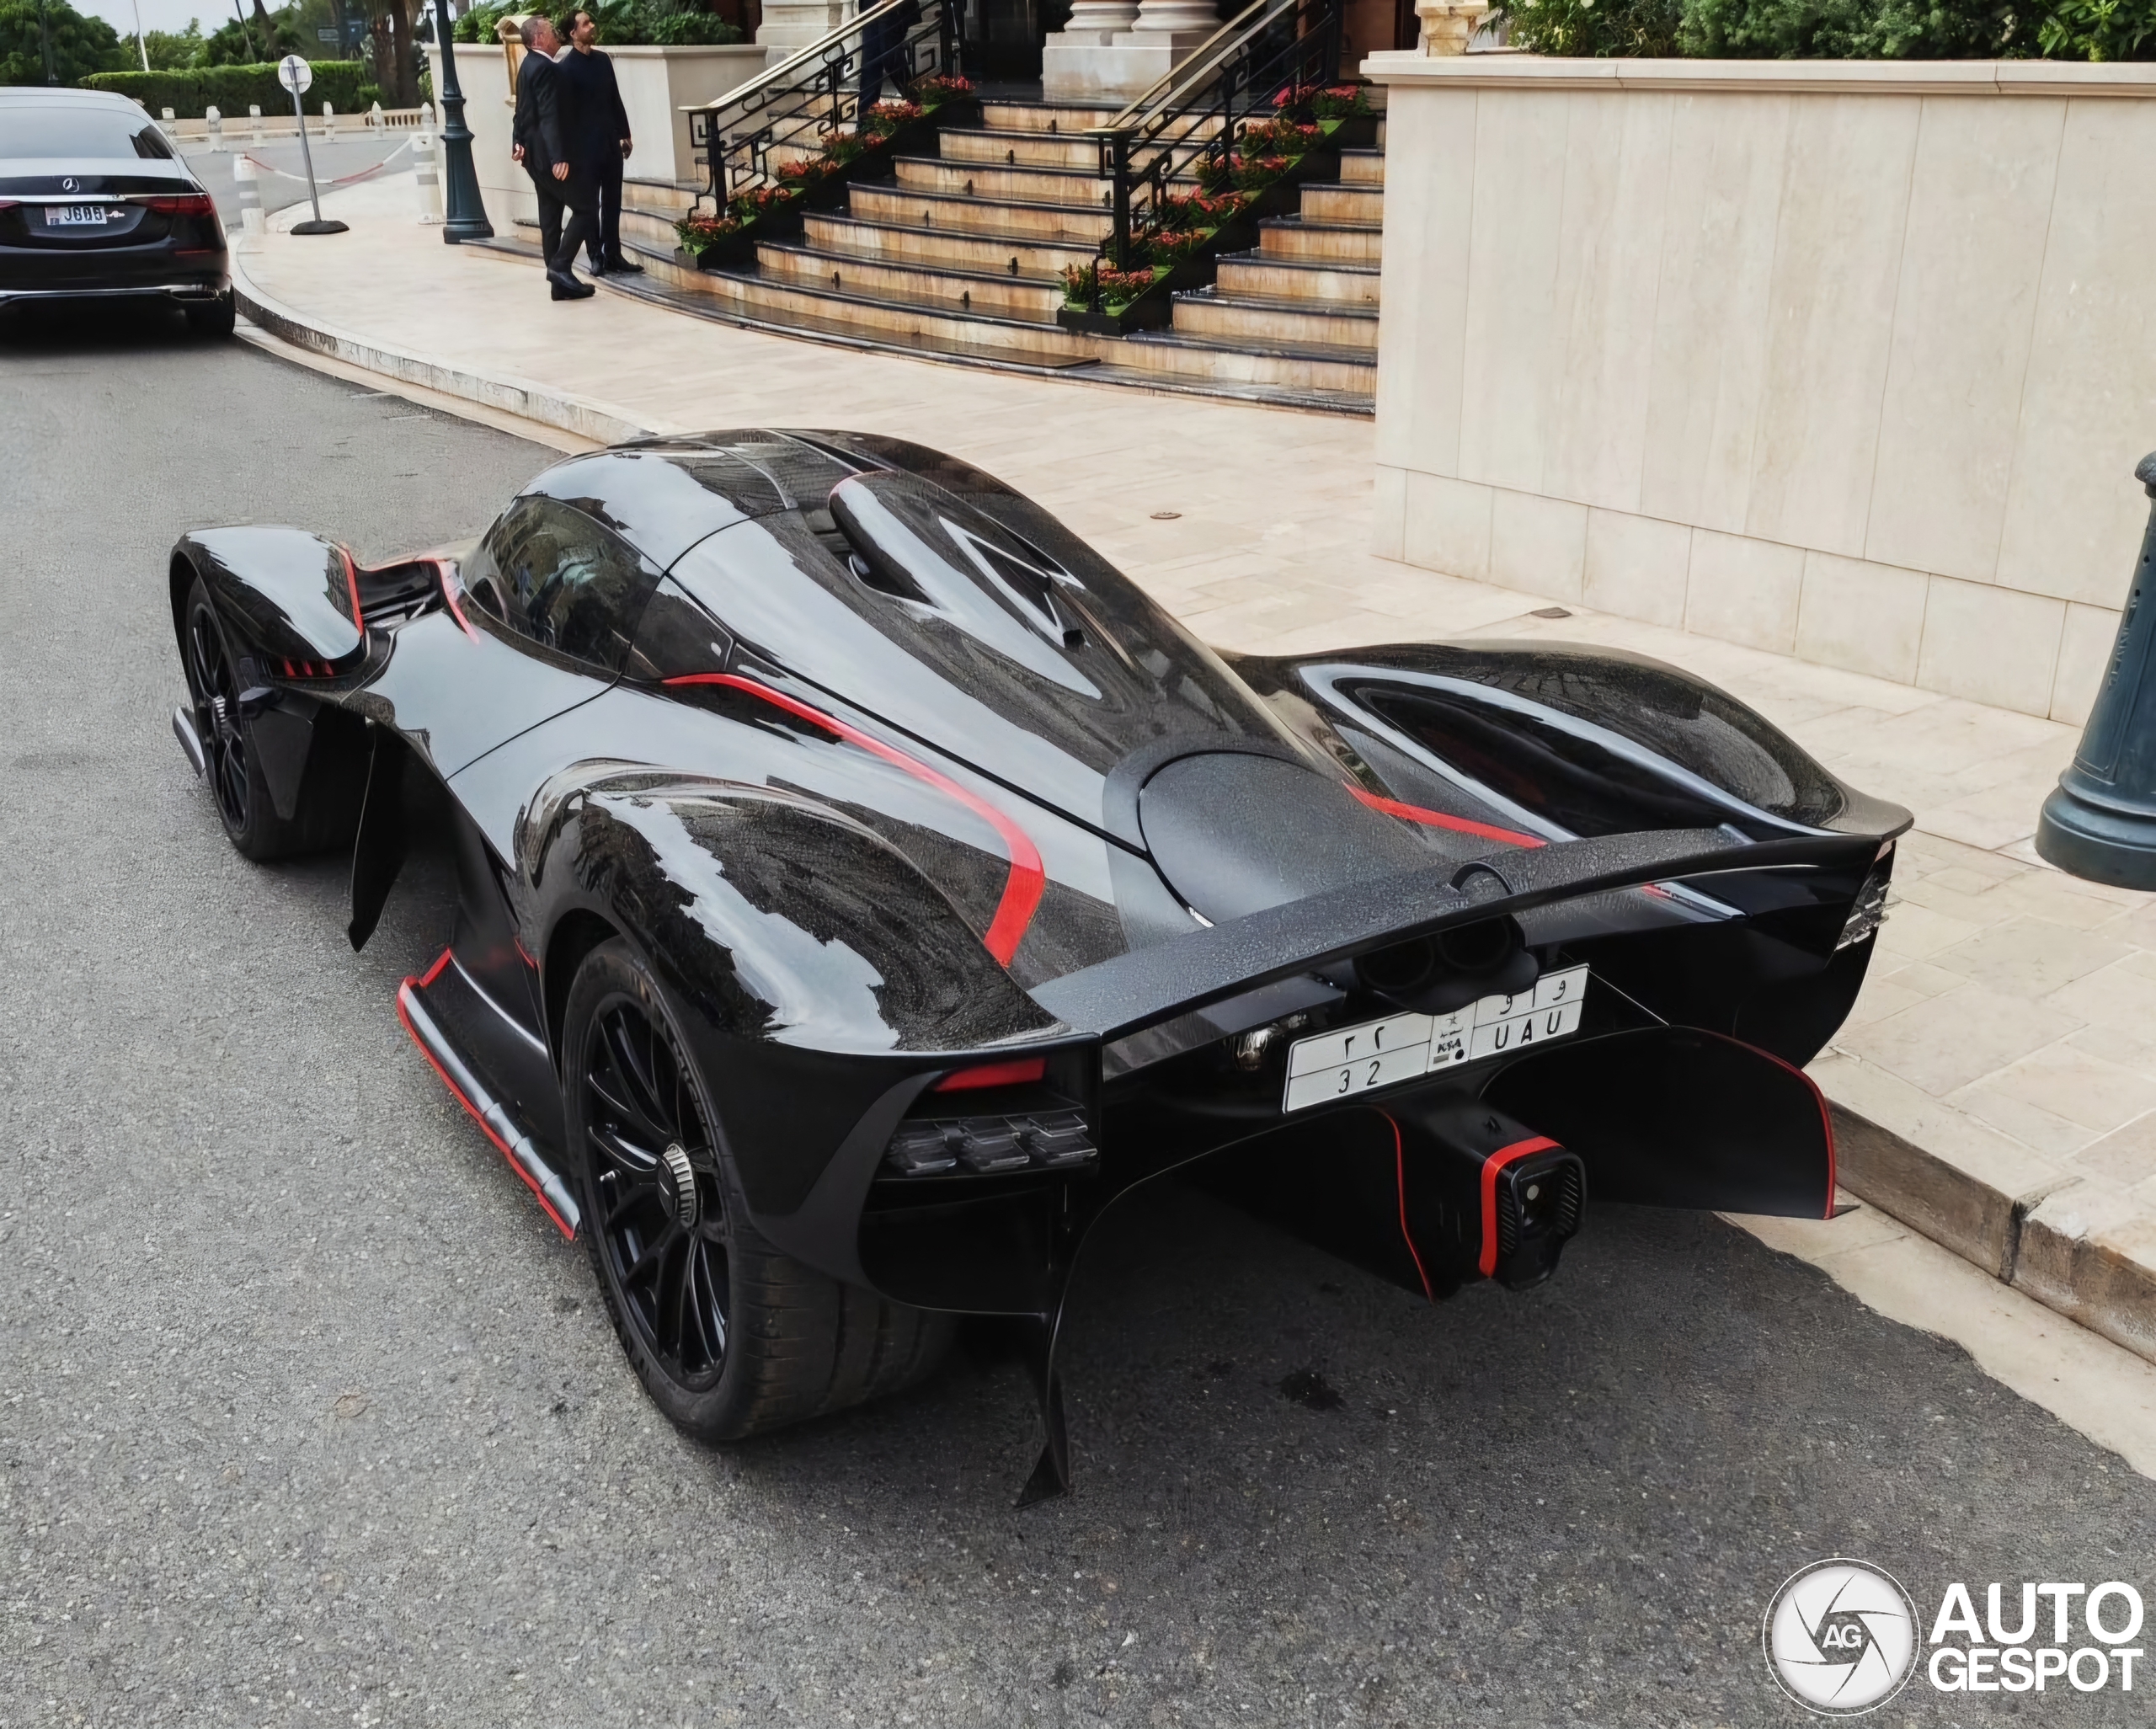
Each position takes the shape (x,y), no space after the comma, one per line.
(730,1337)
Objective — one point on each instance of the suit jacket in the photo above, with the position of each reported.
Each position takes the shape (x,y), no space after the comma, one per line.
(596,122)
(540,125)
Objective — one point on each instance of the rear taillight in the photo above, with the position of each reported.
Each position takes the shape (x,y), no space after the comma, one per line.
(1017,1072)
(177,204)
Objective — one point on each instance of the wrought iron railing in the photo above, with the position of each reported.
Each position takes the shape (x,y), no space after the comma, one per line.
(1190,118)
(784,110)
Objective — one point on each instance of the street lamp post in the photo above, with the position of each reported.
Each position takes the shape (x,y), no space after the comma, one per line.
(44,45)
(464,217)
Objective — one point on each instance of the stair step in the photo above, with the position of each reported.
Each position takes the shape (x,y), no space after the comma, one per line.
(912,284)
(1058,118)
(782,301)
(993,180)
(909,206)
(1322,281)
(947,248)
(1299,237)
(1362,168)
(1312,366)
(1260,320)
(657,194)
(1340,203)
(1048,150)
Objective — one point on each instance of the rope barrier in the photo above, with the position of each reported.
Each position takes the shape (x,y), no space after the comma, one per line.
(264,168)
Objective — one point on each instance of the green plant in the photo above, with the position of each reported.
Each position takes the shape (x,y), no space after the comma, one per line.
(1855,30)
(940,88)
(885,118)
(477,25)
(1593,28)
(1341,102)
(230,89)
(80,45)
(2099,29)
(1083,284)
(700,233)
(1169,247)
(689,30)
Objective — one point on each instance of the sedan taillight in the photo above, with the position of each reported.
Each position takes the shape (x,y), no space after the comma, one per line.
(177,204)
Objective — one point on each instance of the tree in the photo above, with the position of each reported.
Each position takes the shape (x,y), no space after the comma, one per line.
(170,50)
(79,45)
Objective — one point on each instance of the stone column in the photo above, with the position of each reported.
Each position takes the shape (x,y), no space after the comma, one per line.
(791,25)
(1077,60)
(1448,25)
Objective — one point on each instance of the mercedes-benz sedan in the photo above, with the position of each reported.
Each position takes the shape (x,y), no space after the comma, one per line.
(95,203)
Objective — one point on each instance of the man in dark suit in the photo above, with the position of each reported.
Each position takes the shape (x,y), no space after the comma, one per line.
(545,121)
(601,142)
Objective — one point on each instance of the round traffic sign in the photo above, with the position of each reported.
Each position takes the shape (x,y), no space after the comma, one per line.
(295,74)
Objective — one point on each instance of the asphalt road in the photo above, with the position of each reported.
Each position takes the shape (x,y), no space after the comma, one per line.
(307,1416)
(350,154)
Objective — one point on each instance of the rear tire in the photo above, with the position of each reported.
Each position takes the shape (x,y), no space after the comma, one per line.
(729,1336)
(332,781)
(219,318)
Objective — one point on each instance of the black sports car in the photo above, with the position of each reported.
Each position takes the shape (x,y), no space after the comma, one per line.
(95,205)
(863,886)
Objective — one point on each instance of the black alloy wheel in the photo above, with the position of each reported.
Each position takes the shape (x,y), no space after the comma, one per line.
(659,1211)
(730,1337)
(213,685)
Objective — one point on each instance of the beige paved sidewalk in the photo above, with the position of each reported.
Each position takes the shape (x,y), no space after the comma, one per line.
(2006,1039)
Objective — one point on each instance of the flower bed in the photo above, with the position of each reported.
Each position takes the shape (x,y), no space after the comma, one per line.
(1178,238)
(773,211)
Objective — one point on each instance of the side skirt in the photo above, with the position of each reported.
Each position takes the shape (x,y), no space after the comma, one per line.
(492,1117)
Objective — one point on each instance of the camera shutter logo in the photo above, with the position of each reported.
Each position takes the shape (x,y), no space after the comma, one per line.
(1841,1637)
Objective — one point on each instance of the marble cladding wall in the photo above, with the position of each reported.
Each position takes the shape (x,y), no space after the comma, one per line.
(1857,375)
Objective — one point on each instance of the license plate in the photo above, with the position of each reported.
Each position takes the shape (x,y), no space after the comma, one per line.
(77,215)
(1352,1059)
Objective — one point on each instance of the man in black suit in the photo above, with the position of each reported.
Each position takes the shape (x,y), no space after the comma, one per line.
(545,121)
(601,141)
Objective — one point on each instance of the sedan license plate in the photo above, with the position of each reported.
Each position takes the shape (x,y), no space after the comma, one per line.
(1352,1059)
(77,215)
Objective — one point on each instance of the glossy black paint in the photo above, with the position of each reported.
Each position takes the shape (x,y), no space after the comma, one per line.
(885,774)
(66,151)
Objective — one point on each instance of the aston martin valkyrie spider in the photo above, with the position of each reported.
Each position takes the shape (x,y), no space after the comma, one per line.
(862,886)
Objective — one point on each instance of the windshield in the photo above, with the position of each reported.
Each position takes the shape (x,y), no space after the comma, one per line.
(56,129)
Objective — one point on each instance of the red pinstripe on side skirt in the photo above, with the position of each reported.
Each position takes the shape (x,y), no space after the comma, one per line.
(404,1019)
(1028,877)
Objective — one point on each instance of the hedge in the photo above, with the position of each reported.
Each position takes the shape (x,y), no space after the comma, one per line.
(230,89)
(1835,29)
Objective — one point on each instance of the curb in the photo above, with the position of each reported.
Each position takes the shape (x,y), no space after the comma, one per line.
(2072,1248)
(603,422)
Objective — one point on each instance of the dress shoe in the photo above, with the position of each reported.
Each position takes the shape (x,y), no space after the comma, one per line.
(565,286)
(625,266)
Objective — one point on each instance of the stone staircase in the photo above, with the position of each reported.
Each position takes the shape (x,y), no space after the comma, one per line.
(961,256)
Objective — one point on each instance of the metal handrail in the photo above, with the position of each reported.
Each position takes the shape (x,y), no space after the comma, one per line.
(1203,59)
(1224,82)
(809,92)
(771,75)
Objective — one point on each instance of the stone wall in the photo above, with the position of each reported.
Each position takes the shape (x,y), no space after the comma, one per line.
(1848,361)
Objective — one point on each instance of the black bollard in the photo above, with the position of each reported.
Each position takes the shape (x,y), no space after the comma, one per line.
(2100,822)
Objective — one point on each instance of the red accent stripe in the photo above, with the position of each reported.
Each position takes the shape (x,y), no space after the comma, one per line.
(1028,877)
(352,583)
(1825,1120)
(433,972)
(456,1093)
(1438,820)
(1400,1176)
(1490,1166)
(1017,1073)
(450,585)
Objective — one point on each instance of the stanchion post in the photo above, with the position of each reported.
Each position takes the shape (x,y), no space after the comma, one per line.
(464,215)
(2100,821)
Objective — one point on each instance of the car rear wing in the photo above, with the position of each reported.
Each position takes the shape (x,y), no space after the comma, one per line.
(1189,971)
